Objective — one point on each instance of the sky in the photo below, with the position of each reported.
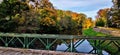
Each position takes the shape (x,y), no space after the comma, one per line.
(88,7)
(1,1)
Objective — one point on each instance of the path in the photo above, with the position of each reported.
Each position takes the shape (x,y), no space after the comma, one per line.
(111,31)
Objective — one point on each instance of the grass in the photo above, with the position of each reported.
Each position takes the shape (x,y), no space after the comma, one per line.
(91,32)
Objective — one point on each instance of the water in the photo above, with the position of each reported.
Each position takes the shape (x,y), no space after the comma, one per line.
(84,47)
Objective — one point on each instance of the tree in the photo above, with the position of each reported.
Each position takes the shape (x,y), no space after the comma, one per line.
(11,8)
(39,17)
(114,14)
(102,15)
(100,22)
(70,22)
(67,25)
(28,22)
(8,9)
(46,4)
(88,23)
(48,18)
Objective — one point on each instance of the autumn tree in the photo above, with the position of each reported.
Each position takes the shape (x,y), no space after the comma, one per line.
(39,16)
(102,16)
(47,17)
(80,18)
(47,21)
(70,22)
(88,23)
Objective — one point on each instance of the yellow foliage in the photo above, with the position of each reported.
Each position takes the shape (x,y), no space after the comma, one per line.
(21,20)
(58,18)
(47,21)
(88,23)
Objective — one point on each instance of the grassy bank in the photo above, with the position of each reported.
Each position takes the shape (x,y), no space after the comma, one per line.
(91,32)
(112,49)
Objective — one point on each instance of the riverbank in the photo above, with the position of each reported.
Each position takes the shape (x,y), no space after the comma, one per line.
(107,45)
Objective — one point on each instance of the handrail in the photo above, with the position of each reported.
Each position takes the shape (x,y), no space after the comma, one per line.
(50,41)
(58,36)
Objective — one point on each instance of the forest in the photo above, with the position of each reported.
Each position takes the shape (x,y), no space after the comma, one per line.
(109,17)
(22,16)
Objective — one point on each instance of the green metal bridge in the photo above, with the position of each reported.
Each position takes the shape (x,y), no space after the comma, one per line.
(50,42)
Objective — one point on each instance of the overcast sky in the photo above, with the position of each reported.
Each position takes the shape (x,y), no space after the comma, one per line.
(88,7)
(1,1)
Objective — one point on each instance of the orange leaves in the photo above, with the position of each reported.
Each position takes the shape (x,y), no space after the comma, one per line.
(103,12)
(74,16)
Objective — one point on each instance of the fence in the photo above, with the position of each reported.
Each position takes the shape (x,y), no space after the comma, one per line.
(50,42)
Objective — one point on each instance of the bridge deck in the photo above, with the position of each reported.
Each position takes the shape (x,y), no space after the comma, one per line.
(18,51)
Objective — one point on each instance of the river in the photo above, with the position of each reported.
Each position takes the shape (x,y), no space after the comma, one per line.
(84,47)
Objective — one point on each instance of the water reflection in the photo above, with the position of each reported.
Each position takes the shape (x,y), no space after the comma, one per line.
(84,47)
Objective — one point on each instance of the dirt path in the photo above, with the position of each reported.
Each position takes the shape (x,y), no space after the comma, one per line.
(110,31)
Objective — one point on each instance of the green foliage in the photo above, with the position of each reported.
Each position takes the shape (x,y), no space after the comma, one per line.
(66,25)
(7,26)
(100,23)
(70,22)
(11,8)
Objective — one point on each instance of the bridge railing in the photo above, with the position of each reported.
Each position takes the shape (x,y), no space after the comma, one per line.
(51,41)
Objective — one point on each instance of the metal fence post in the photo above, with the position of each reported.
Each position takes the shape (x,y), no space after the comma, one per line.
(71,45)
(6,44)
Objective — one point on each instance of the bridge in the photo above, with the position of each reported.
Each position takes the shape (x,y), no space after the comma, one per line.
(50,42)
